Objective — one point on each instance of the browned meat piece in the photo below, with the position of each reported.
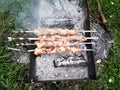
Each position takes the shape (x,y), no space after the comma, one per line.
(54,31)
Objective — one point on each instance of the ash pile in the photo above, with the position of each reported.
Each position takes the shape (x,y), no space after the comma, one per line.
(65,14)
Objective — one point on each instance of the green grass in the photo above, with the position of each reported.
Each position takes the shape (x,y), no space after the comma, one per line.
(11,74)
(11,77)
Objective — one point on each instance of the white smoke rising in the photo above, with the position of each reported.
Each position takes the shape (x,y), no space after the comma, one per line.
(50,14)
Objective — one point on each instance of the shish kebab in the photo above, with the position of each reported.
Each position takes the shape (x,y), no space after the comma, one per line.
(52,50)
(56,37)
(62,39)
(69,38)
(70,44)
(40,44)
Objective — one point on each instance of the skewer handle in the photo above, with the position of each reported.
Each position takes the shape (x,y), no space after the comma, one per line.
(21,38)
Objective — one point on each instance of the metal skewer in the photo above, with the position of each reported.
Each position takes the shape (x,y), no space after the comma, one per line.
(32,44)
(25,44)
(15,49)
(21,38)
(81,49)
(32,31)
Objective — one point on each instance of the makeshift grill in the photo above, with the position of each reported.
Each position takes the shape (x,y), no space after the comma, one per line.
(70,44)
(63,47)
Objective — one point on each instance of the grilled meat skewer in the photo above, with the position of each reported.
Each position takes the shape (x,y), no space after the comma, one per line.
(55,43)
(51,50)
(54,31)
(62,38)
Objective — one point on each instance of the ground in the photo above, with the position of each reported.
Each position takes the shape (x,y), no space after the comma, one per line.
(11,74)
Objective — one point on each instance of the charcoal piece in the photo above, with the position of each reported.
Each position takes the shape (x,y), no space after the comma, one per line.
(57,23)
(67,63)
(69,24)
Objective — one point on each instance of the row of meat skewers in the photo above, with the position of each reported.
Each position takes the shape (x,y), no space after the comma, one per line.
(57,41)
(50,41)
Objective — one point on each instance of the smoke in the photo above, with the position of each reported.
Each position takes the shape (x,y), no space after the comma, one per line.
(24,18)
(51,14)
